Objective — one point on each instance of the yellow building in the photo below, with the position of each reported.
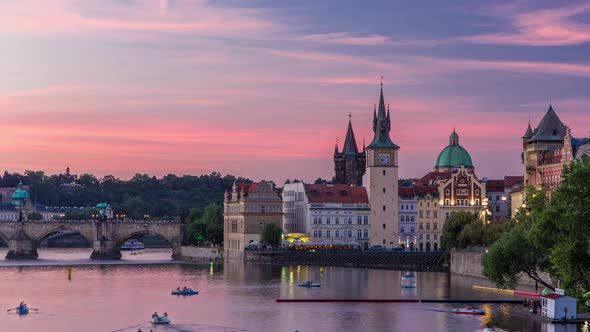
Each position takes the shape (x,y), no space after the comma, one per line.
(428,218)
(246,209)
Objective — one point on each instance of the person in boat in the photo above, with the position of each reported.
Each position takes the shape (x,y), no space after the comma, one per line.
(166,314)
(155,315)
(22,306)
(178,289)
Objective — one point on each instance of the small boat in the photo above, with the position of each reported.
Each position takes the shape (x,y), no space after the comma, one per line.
(309,285)
(185,292)
(409,281)
(469,311)
(160,320)
(22,311)
(132,245)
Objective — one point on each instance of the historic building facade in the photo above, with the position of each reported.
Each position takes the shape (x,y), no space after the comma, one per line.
(246,209)
(381,180)
(428,235)
(407,218)
(326,213)
(349,165)
(547,148)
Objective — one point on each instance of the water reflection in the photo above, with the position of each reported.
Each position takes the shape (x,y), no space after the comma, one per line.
(239,296)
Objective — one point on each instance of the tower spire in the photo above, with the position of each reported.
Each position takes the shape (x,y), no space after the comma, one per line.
(350,146)
(381,125)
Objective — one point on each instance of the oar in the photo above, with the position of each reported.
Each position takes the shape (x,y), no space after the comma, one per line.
(12,309)
(33,309)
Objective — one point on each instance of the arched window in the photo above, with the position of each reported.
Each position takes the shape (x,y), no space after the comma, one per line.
(412,218)
(337,221)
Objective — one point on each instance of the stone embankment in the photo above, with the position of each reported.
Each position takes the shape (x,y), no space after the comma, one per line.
(190,253)
(469,264)
(413,261)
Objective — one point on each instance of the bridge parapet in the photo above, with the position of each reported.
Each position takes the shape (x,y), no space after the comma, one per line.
(106,237)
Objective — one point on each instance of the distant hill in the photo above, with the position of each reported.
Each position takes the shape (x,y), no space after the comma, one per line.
(169,196)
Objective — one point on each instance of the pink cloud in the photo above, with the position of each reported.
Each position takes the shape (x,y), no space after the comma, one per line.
(345,38)
(544,27)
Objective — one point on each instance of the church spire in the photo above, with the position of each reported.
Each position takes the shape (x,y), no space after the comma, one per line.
(350,142)
(381,126)
(529,132)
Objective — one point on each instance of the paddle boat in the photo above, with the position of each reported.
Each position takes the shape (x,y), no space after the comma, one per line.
(184,292)
(309,284)
(132,245)
(469,311)
(160,319)
(22,309)
(409,281)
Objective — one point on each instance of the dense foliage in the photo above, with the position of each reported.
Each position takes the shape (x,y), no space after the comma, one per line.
(206,227)
(552,236)
(271,235)
(463,230)
(169,196)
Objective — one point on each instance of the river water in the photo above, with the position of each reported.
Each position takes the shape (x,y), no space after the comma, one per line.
(233,297)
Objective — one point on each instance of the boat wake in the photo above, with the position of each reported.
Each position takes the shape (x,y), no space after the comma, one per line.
(182,328)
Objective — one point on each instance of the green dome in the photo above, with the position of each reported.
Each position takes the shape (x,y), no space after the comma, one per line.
(20,193)
(454,155)
(102,205)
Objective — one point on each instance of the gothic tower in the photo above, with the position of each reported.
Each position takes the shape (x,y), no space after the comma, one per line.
(349,165)
(381,180)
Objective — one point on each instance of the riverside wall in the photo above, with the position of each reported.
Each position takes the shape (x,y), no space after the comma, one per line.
(469,264)
(191,253)
(412,261)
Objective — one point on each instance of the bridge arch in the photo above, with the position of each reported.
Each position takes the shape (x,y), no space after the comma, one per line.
(137,234)
(87,234)
(4,238)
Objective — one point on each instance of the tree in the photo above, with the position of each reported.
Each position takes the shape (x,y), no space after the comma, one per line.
(271,235)
(34,216)
(204,227)
(453,228)
(511,256)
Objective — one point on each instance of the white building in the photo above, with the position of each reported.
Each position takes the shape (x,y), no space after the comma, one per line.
(326,213)
(557,306)
(408,218)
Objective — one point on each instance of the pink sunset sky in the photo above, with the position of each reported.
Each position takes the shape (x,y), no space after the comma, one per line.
(263,89)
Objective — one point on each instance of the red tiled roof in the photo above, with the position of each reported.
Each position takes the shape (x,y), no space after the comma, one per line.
(495,186)
(336,193)
(432,176)
(553,296)
(510,181)
(406,192)
(425,190)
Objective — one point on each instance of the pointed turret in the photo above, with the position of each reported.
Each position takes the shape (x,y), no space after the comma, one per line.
(350,142)
(529,132)
(388,119)
(336,147)
(381,127)
(374,117)
(550,128)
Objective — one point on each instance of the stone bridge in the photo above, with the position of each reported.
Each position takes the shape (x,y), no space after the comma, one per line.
(106,237)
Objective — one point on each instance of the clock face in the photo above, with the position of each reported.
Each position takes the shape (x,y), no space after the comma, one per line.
(384,159)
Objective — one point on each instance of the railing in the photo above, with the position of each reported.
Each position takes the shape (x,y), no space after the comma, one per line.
(82,221)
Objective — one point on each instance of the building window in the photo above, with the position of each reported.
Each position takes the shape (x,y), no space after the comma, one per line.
(435,214)
(383,226)
(319,233)
(412,218)
(497,208)
(328,220)
(337,221)
(427,236)
(497,197)
(384,190)
(435,236)
(366,220)
(359,220)
(477,192)
(421,214)
(315,233)
(349,233)
(366,233)
(446,202)
(447,192)
(315,220)
(359,234)
(320,221)
(421,226)
(427,204)
(383,207)
(402,230)
(420,237)
(435,225)
(427,225)
(337,233)
(427,214)
(328,233)
(384,172)
(412,230)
